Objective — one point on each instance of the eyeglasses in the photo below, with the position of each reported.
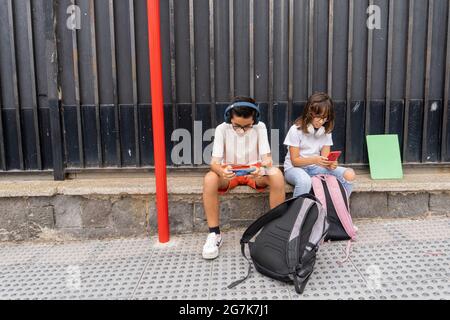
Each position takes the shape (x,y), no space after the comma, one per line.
(237,127)
(316,116)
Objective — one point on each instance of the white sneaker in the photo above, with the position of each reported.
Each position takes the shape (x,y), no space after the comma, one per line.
(212,245)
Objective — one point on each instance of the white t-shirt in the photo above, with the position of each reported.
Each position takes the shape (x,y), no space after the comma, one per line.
(231,148)
(310,145)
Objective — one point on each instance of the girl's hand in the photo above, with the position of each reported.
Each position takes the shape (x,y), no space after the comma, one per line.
(227,174)
(322,161)
(333,165)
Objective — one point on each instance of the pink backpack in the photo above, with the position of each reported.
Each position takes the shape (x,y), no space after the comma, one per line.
(335,201)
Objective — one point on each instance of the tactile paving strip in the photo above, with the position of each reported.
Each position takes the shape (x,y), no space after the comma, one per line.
(425,229)
(373,232)
(31,282)
(403,261)
(251,295)
(175,273)
(175,296)
(348,291)
(68,253)
(229,268)
(183,243)
(329,269)
(381,231)
(433,289)
(22,253)
(406,266)
(332,279)
(107,278)
(194,242)
(118,249)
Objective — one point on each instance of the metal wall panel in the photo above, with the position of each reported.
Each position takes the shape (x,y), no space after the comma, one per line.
(395,79)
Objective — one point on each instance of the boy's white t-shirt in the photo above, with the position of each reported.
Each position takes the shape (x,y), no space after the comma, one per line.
(230,148)
(310,145)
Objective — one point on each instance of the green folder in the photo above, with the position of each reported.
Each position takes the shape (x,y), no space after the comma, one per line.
(384,157)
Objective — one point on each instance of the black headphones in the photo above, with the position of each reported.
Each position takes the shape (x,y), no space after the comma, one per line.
(256,117)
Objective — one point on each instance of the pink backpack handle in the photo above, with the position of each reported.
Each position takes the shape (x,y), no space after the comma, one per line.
(319,192)
(341,209)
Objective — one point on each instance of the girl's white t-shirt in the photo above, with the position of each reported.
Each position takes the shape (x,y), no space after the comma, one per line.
(310,144)
(231,148)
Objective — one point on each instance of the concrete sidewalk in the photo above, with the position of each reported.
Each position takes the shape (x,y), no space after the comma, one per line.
(392,259)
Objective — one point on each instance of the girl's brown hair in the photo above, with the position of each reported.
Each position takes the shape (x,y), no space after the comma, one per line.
(319,104)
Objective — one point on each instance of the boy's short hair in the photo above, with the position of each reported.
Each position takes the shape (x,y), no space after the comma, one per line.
(244,112)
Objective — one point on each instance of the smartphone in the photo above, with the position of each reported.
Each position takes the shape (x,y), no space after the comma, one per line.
(243,171)
(334,155)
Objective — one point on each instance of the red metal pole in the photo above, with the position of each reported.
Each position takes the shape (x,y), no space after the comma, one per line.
(158,119)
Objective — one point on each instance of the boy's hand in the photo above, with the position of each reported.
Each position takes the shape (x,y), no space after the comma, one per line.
(322,161)
(267,163)
(227,174)
(255,173)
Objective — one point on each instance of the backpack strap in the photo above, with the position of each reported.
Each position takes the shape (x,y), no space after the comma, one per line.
(292,254)
(318,232)
(234,284)
(340,206)
(310,196)
(318,189)
(347,252)
(300,284)
(300,280)
(343,213)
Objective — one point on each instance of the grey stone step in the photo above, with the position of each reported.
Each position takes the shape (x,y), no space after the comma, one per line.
(415,180)
(91,206)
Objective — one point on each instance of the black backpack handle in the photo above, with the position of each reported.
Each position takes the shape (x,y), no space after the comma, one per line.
(310,196)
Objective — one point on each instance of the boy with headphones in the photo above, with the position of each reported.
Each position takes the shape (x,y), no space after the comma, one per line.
(241,140)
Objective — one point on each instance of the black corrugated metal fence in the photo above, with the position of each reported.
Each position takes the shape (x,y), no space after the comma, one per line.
(74,76)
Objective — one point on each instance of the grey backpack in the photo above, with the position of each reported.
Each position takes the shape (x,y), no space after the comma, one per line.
(288,240)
